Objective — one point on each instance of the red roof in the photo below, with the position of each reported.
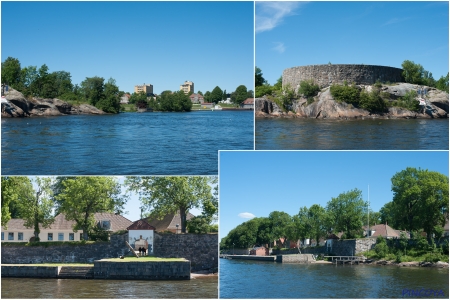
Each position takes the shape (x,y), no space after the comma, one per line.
(141,225)
(249,101)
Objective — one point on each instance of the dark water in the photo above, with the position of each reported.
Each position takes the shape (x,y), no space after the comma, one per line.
(123,144)
(85,288)
(313,134)
(250,279)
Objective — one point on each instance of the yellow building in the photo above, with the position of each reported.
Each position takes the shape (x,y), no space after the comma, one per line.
(146,88)
(187,86)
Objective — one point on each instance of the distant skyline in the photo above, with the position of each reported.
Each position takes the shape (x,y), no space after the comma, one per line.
(158,43)
(290,34)
(253,184)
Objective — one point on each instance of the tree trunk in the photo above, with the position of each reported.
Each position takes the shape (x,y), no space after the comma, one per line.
(183,219)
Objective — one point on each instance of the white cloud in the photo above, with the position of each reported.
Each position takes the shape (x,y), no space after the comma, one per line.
(394,21)
(246,215)
(271,14)
(279,47)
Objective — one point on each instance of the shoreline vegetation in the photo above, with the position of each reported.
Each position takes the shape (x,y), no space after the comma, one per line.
(94,95)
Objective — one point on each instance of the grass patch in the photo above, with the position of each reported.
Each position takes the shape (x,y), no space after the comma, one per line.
(143,259)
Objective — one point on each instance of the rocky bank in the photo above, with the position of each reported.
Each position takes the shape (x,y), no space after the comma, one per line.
(18,107)
(325,106)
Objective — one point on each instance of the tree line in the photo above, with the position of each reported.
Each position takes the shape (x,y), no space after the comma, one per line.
(38,201)
(32,81)
(420,203)
(237,97)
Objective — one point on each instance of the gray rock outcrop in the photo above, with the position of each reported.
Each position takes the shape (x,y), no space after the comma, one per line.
(18,106)
(325,106)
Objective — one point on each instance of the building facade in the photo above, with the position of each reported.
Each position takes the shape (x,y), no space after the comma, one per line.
(187,87)
(146,88)
(197,98)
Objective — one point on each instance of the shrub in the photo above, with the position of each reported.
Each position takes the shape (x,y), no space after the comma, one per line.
(345,93)
(372,101)
(308,89)
(408,101)
(378,84)
(263,90)
(381,247)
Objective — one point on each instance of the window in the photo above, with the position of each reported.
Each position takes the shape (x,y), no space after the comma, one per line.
(71,236)
(3,236)
(20,236)
(106,224)
(50,237)
(10,236)
(60,236)
(81,236)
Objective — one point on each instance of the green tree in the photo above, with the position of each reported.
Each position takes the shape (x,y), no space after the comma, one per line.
(224,95)
(200,93)
(216,95)
(92,89)
(207,96)
(317,218)
(381,248)
(403,241)
(279,84)
(280,222)
(442,83)
(387,215)
(14,190)
(198,224)
(262,90)
(140,97)
(81,197)
(239,95)
(345,93)
(36,205)
(372,101)
(164,195)
(11,71)
(413,73)
(259,79)
(110,100)
(346,213)
(264,235)
(244,235)
(420,199)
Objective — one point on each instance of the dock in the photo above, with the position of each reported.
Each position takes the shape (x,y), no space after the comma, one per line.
(249,257)
(346,259)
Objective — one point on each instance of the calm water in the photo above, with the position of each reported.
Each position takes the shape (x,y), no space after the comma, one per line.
(123,144)
(86,288)
(247,279)
(313,134)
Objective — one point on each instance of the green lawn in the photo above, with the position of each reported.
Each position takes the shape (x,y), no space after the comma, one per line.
(143,259)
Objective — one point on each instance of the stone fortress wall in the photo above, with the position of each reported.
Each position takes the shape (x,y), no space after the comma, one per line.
(326,75)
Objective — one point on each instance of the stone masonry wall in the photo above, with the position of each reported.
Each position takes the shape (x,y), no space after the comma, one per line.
(200,249)
(142,270)
(65,253)
(25,271)
(326,75)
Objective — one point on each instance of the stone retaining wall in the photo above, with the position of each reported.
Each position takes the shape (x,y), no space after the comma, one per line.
(30,271)
(326,75)
(237,251)
(295,258)
(87,253)
(200,249)
(142,270)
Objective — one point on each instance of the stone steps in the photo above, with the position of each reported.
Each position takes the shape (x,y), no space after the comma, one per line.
(76,272)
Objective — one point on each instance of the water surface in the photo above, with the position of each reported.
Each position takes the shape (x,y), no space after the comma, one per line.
(125,144)
(253,279)
(381,134)
(91,288)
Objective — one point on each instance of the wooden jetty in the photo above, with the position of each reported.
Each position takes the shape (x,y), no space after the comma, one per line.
(346,259)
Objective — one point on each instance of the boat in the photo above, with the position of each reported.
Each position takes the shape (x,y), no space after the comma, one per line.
(217,107)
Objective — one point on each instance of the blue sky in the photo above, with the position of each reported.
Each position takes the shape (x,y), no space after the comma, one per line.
(161,43)
(257,183)
(290,34)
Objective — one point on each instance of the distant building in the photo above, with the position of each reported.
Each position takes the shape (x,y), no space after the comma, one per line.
(261,251)
(141,234)
(146,88)
(61,229)
(197,98)
(125,99)
(187,87)
(248,103)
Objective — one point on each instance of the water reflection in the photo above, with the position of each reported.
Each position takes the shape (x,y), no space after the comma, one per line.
(79,288)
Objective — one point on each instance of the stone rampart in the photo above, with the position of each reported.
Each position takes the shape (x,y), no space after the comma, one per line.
(142,270)
(87,253)
(326,75)
(30,271)
(201,249)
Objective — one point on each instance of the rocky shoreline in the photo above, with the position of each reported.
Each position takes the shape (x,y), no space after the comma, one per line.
(325,107)
(17,106)
(439,264)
